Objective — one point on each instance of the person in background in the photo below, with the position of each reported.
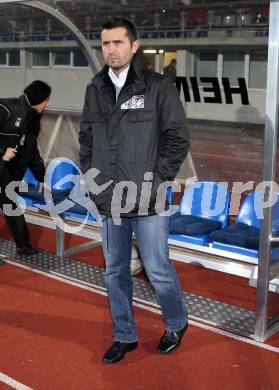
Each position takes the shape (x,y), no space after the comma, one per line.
(170,71)
(20,120)
(133,128)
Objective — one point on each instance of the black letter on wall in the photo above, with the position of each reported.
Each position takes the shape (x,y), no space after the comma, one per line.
(183,81)
(195,88)
(216,98)
(242,90)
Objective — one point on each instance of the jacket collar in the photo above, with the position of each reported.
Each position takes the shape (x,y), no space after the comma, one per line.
(135,84)
(24,100)
(31,110)
(135,75)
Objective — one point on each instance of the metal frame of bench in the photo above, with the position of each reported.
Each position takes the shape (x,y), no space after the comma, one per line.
(221,260)
(206,256)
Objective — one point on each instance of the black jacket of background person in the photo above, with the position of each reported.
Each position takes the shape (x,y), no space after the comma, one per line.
(123,144)
(170,73)
(20,126)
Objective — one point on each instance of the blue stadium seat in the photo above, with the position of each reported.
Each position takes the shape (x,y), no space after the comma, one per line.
(81,208)
(242,237)
(60,174)
(203,208)
(30,179)
(61,177)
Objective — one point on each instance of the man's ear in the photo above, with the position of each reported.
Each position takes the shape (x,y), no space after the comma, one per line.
(135,46)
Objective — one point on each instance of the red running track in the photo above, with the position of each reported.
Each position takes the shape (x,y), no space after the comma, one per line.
(53,336)
(212,284)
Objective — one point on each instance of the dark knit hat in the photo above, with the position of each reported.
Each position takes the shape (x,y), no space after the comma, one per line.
(37,92)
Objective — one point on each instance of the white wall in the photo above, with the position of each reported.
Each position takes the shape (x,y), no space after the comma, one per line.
(236,112)
(69,84)
(12,81)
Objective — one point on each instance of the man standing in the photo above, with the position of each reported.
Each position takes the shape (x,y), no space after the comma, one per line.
(133,132)
(170,71)
(19,129)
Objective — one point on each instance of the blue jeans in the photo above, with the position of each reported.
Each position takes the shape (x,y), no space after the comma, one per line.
(152,235)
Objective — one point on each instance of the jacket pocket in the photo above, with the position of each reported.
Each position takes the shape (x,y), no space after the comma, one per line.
(96,117)
(139,115)
(141,138)
(98,121)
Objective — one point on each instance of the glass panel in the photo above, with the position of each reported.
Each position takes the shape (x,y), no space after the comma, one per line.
(14,58)
(3,58)
(207,64)
(79,58)
(258,69)
(40,58)
(61,58)
(233,66)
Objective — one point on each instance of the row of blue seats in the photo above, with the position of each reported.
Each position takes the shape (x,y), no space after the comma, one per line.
(202,217)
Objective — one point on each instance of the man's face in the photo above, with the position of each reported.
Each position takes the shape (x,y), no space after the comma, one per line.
(117,48)
(42,106)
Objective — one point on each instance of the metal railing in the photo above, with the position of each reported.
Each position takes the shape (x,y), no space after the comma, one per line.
(148,32)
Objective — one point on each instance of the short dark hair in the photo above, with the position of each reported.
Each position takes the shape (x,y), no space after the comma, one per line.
(118,21)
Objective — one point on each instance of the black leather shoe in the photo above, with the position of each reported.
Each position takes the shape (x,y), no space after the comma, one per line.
(171,341)
(26,251)
(117,351)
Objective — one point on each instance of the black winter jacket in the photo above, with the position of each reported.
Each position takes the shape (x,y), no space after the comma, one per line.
(19,127)
(144,131)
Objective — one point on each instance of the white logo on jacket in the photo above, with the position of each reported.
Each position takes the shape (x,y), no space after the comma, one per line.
(22,140)
(134,102)
(18,121)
